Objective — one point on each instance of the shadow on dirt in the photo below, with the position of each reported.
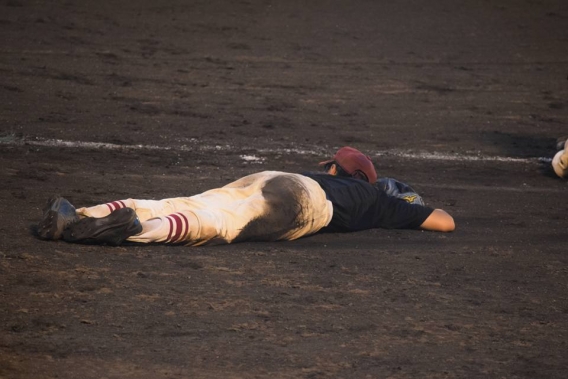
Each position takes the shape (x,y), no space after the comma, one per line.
(519,145)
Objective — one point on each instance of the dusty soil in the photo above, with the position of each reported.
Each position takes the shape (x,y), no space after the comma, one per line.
(459,99)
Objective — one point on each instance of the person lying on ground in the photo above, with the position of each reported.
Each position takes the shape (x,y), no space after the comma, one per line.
(265,206)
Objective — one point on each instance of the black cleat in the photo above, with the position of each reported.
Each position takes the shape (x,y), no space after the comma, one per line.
(58,214)
(111,230)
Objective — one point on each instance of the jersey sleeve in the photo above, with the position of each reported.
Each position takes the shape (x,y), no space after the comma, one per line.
(399,214)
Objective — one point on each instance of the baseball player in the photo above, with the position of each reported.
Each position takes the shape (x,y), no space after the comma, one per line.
(266,206)
(560,160)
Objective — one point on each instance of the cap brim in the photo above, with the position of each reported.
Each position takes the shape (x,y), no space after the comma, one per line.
(325,162)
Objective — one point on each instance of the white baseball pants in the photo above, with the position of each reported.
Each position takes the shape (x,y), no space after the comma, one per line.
(267,206)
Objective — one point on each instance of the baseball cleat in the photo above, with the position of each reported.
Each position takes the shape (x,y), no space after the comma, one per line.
(58,213)
(111,230)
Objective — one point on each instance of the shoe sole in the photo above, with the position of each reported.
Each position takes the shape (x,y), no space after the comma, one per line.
(560,163)
(111,230)
(57,215)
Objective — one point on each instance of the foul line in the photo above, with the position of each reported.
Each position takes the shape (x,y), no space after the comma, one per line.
(9,140)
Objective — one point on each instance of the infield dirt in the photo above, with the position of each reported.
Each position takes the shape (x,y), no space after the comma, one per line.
(105,100)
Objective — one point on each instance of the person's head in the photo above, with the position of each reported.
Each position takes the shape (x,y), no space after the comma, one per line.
(350,162)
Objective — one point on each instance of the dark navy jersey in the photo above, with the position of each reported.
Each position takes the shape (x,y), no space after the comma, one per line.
(358,205)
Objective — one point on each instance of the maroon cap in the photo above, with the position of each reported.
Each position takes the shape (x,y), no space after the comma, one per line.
(352,160)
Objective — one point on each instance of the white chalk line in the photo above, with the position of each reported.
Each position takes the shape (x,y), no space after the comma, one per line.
(196,145)
(465,187)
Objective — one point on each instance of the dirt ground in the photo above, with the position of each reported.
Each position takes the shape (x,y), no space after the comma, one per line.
(108,100)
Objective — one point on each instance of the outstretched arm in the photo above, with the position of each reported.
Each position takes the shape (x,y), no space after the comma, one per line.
(439,221)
